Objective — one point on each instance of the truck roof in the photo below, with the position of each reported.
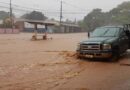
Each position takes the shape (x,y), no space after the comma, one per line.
(114,26)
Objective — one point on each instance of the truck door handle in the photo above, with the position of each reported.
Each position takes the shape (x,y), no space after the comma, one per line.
(122,38)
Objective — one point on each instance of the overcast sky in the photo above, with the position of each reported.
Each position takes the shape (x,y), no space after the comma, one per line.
(82,7)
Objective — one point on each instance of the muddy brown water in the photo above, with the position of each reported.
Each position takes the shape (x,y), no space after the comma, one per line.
(52,65)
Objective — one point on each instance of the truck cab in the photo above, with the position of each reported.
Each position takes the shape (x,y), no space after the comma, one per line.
(105,42)
(127,31)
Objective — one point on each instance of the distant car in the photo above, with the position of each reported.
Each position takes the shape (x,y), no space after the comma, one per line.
(105,42)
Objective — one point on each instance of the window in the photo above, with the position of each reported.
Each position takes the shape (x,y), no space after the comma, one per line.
(106,32)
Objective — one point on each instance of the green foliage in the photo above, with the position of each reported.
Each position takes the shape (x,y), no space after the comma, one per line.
(94,19)
(34,15)
(6,20)
(6,23)
(3,15)
(97,18)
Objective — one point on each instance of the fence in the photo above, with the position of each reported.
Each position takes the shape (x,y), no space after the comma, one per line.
(9,31)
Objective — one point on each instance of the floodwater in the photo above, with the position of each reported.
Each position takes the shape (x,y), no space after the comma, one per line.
(52,65)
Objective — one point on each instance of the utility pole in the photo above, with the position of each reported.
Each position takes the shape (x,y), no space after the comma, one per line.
(61,13)
(11,16)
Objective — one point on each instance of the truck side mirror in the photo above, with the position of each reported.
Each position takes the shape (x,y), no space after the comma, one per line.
(127,32)
(88,34)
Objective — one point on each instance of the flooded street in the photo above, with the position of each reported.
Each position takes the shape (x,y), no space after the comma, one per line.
(52,65)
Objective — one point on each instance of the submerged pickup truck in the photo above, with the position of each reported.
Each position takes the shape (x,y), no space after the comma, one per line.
(105,42)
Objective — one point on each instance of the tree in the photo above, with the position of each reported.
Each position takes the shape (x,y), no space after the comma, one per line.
(3,15)
(34,15)
(6,19)
(119,15)
(94,19)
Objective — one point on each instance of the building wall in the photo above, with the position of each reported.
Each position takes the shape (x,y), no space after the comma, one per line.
(64,28)
(19,25)
(67,29)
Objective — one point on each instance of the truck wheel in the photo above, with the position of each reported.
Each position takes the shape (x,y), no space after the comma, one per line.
(115,55)
(114,58)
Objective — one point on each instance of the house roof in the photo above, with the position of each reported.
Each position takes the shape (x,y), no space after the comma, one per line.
(70,24)
(42,22)
(48,22)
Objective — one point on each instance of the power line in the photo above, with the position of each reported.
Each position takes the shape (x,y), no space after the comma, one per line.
(18,8)
(30,9)
(74,6)
(48,12)
(4,3)
(15,5)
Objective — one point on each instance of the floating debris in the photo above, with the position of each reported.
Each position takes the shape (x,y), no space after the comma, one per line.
(124,64)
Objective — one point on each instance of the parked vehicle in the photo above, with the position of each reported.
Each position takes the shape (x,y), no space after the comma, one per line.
(105,42)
